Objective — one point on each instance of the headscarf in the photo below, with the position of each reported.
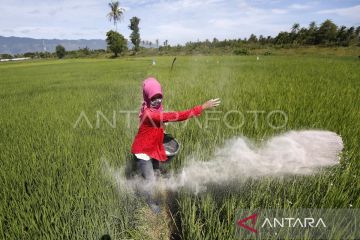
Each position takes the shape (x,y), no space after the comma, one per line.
(151,87)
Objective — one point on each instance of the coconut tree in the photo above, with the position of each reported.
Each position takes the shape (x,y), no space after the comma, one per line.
(116,13)
(295,28)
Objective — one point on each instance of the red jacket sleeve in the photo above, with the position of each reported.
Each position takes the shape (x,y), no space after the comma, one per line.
(174,116)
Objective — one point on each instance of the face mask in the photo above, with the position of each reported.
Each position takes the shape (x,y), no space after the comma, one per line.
(156,103)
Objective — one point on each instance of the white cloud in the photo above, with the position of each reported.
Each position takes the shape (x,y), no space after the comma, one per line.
(279,11)
(174,31)
(350,12)
(298,6)
(55,19)
(224,23)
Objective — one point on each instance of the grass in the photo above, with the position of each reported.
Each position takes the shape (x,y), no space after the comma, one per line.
(51,178)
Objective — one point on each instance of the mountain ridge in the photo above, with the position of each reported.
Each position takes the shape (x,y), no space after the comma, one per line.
(20,45)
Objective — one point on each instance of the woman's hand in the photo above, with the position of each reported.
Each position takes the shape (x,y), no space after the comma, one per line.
(211,103)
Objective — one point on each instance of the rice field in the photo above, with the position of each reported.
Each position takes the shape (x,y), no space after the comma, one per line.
(60,118)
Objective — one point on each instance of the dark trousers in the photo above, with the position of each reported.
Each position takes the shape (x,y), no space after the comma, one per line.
(148,168)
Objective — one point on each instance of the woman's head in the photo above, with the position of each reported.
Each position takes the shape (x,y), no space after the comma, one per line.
(152,92)
(152,95)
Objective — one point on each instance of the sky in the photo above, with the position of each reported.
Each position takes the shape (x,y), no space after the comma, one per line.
(177,21)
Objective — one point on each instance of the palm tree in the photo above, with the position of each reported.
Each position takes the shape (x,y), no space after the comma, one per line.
(116,12)
(312,26)
(295,28)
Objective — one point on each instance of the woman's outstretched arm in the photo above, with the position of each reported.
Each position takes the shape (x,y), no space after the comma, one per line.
(181,115)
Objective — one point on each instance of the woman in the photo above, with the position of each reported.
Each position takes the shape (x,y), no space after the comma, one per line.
(148,147)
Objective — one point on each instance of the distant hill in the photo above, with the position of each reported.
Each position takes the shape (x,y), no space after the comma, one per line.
(19,45)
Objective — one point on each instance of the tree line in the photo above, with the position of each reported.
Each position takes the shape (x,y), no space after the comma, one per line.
(327,34)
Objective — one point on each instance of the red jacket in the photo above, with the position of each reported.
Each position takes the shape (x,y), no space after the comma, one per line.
(150,136)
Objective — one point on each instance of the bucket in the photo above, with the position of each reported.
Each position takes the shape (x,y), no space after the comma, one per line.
(171,146)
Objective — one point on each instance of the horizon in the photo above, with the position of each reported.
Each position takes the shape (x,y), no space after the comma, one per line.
(62,39)
(178,21)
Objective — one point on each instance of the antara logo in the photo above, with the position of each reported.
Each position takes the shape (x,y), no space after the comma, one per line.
(293,222)
(287,222)
(253,219)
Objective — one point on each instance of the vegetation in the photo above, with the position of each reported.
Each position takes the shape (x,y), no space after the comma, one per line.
(135,35)
(6,56)
(38,55)
(52,180)
(116,42)
(116,13)
(327,38)
(241,51)
(60,51)
(328,34)
(86,53)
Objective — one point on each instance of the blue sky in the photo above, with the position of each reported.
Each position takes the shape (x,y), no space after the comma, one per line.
(178,21)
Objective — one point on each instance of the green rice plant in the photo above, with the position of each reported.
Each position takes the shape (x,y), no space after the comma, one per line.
(51,176)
